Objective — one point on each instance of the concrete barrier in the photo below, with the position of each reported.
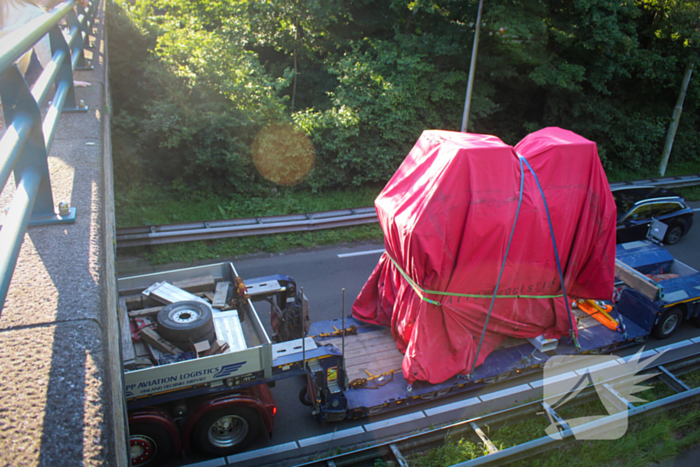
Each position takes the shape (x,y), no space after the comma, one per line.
(61,399)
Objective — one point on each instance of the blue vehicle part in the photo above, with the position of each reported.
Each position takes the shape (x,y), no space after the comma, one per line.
(290,316)
(682,291)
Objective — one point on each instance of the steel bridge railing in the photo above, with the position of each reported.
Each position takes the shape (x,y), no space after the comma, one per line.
(26,143)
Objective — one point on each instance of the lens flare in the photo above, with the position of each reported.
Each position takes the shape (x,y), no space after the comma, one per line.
(283,154)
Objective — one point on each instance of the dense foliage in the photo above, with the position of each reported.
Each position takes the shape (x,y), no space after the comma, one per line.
(194,82)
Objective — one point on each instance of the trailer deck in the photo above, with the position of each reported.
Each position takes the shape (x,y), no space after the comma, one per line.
(373,363)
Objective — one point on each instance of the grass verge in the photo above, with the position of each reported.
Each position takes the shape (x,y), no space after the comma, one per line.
(646,440)
(152,205)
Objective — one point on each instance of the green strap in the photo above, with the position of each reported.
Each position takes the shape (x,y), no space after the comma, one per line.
(421,291)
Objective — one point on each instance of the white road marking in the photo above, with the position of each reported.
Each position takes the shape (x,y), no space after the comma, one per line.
(244,456)
(453,406)
(394,421)
(643,355)
(696,340)
(210,463)
(677,345)
(696,209)
(331,436)
(553,379)
(505,392)
(598,367)
(361,253)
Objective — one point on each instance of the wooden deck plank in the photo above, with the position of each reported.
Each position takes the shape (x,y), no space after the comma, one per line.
(353,351)
(377,360)
(373,351)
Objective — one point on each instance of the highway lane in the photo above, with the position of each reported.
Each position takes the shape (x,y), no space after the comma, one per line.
(323,273)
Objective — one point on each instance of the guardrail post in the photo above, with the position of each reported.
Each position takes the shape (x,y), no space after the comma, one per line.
(18,100)
(79,42)
(89,24)
(65,73)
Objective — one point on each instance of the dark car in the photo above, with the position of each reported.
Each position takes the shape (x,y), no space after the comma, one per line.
(636,206)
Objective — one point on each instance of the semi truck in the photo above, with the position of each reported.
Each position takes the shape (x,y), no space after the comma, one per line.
(220,404)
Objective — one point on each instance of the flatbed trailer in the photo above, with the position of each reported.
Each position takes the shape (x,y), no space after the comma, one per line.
(373,382)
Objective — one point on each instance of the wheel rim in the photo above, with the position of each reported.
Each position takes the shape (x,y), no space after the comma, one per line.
(674,235)
(142,449)
(228,431)
(670,324)
(184,315)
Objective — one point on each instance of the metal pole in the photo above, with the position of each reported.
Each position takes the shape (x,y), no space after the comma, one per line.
(343,342)
(472,68)
(676,119)
(303,334)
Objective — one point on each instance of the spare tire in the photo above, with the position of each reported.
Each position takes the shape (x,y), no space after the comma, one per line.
(182,322)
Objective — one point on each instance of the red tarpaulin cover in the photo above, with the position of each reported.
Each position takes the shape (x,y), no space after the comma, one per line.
(447,215)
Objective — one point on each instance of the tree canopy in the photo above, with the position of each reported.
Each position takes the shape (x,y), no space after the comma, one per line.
(195,82)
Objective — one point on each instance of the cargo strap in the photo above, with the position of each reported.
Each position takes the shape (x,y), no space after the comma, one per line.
(422,292)
(349,331)
(361,383)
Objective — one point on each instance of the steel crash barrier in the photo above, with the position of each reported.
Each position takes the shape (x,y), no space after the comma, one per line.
(26,142)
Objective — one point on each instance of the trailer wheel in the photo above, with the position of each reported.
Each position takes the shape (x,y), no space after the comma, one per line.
(668,324)
(149,445)
(181,322)
(227,431)
(304,397)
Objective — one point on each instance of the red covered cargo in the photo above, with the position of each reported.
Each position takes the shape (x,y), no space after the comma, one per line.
(447,216)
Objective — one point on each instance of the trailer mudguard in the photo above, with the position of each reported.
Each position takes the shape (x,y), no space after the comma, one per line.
(639,309)
(154,416)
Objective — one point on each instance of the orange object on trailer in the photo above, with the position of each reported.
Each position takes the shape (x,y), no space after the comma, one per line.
(600,313)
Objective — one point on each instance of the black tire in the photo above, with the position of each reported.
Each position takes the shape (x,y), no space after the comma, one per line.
(696,321)
(149,445)
(181,322)
(227,431)
(668,324)
(673,234)
(304,397)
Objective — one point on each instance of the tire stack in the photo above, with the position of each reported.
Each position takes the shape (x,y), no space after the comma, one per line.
(184,323)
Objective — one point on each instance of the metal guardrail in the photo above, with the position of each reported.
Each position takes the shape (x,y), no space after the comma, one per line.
(187,232)
(677,181)
(27,140)
(173,233)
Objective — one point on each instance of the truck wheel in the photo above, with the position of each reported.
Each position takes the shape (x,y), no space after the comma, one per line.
(667,324)
(181,322)
(304,397)
(673,235)
(149,445)
(227,431)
